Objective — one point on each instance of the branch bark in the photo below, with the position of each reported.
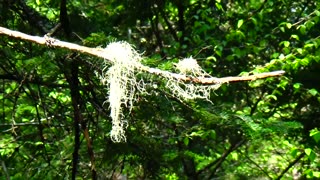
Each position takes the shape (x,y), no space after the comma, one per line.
(100,52)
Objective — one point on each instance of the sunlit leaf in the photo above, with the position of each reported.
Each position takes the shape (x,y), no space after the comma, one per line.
(289,25)
(313,92)
(294,36)
(299,50)
(316,174)
(297,85)
(240,22)
(270,96)
(286,43)
(234,156)
(310,153)
(302,29)
(315,134)
(186,141)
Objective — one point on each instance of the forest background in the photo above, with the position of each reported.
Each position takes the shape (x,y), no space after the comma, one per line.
(55,117)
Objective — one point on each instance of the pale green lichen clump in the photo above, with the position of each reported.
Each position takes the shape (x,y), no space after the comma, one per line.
(121,79)
(122,83)
(183,90)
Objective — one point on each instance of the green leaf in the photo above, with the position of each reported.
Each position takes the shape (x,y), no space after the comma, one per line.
(302,29)
(197,133)
(254,20)
(315,133)
(316,174)
(234,156)
(305,61)
(294,152)
(212,134)
(297,85)
(275,55)
(311,155)
(218,5)
(271,97)
(240,22)
(286,43)
(39,143)
(313,92)
(212,58)
(263,43)
(240,34)
(186,141)
(309,24)
(299,50)
(309,45)
(294,36)
(289,25)
(308,151)
(218,50)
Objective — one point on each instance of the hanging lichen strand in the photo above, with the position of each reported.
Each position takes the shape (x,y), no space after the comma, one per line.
(122,83)
(121,80)
(182,90)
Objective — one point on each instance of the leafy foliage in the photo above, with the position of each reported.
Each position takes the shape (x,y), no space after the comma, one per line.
(54,113)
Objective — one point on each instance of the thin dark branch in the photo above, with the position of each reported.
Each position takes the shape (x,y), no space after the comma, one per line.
(28,124)
(40,126)
(156,32)
(29,14)
(217,163)
(290,165)
(64,19)
(72,78)
(255,105)
(257,165)
(171,30)
(90,151)
(31,81)
(224,156)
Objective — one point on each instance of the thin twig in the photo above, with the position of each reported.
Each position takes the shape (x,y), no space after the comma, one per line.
(257,165)
(291,164)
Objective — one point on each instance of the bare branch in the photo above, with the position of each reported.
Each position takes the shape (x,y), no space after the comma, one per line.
(100,52)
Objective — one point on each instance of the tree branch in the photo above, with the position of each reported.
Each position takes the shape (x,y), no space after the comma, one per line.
(290,165)
(72,78)
(256,164)
(100,52)
(90,151)
(31,80)
(218,162)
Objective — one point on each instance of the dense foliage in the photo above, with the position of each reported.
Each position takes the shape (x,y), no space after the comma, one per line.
(55,120)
